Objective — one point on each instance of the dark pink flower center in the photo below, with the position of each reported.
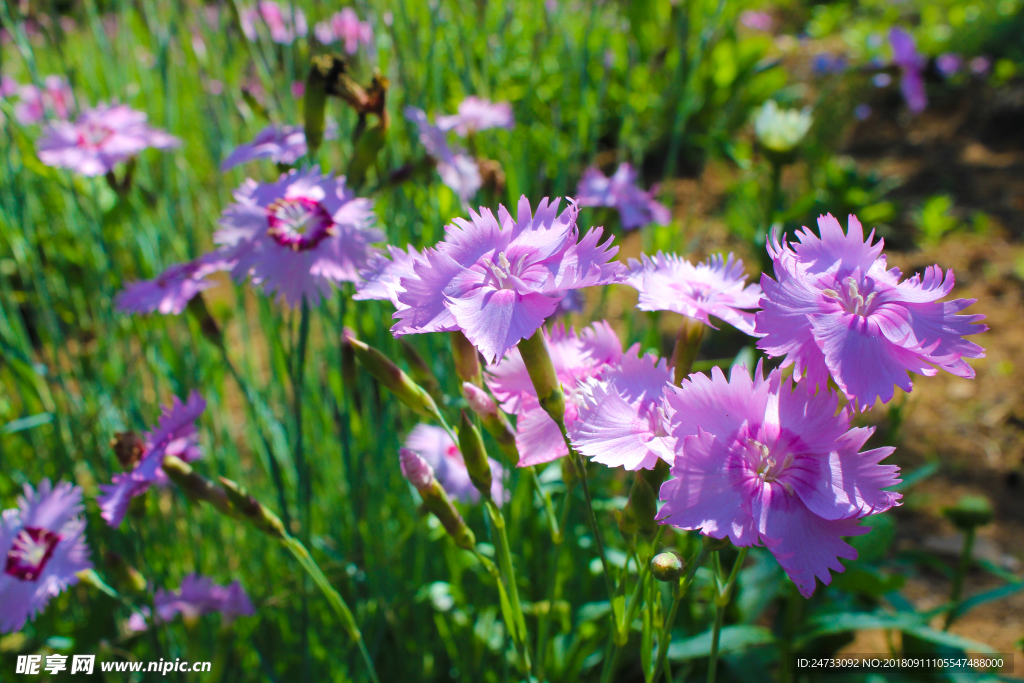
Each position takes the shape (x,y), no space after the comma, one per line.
(299,223)
(32,549)
(851,298)
(92,135)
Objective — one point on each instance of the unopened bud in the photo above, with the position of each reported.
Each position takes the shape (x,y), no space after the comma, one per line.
(471,444)
(194,485)
(127,577)
(667,566)
(643,506)
(417,470)
(466,358)
(252,510)
(970,512)
(421,475)
(393,377)
(321,71)
(534,351)
(688,339)
(128,447)
(419,369)
(479,401)
(493,420)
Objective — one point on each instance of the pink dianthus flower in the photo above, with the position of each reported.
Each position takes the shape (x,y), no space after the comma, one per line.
(497,279)
(382,277)
(833,307)
(477,114)
(346,27)
(171,291)
(636,208)
(442,454)
(33,102)
(765,462)
(458,170)
(282,24)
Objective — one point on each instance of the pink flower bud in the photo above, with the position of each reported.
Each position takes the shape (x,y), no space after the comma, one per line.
(417,470)
(479,401)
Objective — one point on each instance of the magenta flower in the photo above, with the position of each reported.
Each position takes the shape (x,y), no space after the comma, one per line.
(576,358)
(99,138)
(298,236)
(42,547)
(382,278)
(759,21)
(636,208)
(458,170)
(911,64)
(622,419)
(174,288)
(477,114)
(282,25)
(713,288)
(496,280)
(765,463)
(949,64)
(834,308)
(176,435)
(280,144)
(56,95)
(345,26)
(442,454)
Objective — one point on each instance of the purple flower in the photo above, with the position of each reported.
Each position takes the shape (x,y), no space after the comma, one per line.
(826,63)
(911,63)
(948,64)
(442,455)
(282,25)
(345,26)
(382,278)
(636,208)
(175,434)
(834,308)
(42,547)
(862,112)
(576,358)
(174,288)
(622,420)
(477,114)
(8,86)
(416,470)
(281,144)
(99,138)
(980,65)
(759,21)
(715,287)
(765,463)
(496,280)
(33,103)
(298,236)
(198,595)
(458,170)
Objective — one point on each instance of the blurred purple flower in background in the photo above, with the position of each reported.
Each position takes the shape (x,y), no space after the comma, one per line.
(171,291)
(636,208)
(765,463)
(622,420)
(980,65)
(911,64)
(100,138)
(949,64)
(42,548)
(198,595)
(175,434)
(759,21)
(282,26)
(345,26)
(299,236)
(458,170)
(477,114)
(34,105)
(442,454)
(280,144)
(576,358)
(497,279)
(834,308)
(826,63)
(716,287)
(862,112)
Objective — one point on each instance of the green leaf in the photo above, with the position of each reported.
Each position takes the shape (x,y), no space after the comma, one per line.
(731,638)
(988,596)
(826,624)
(868,582)
(947,639)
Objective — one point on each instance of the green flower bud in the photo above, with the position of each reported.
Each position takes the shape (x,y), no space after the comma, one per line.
(969,513)
(420,474)
(251,509)
(127,577)
(643,505)
(475,456)
(493,420)
(667,566)
(195,485)
(419,369)
(392,376)
(534,351)
(466,357)
(323,69)
(687,345)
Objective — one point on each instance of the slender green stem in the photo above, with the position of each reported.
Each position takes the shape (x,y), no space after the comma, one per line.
(348,620)
(549,509)
(504,553)
(301,469)
(554,588)
(665,638)
(958,578)
(721,602)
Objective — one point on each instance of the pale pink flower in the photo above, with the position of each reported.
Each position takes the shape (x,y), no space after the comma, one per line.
(458,170)
(174,288)
(33,103)
(346,27)
(280,22)
(477,114)
(382,277)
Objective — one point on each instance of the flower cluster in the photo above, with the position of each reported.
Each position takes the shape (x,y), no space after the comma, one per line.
(42,547)
(346,27)
(282,24)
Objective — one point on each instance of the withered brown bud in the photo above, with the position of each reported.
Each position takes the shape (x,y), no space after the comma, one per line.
(492,175)
(128,447)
